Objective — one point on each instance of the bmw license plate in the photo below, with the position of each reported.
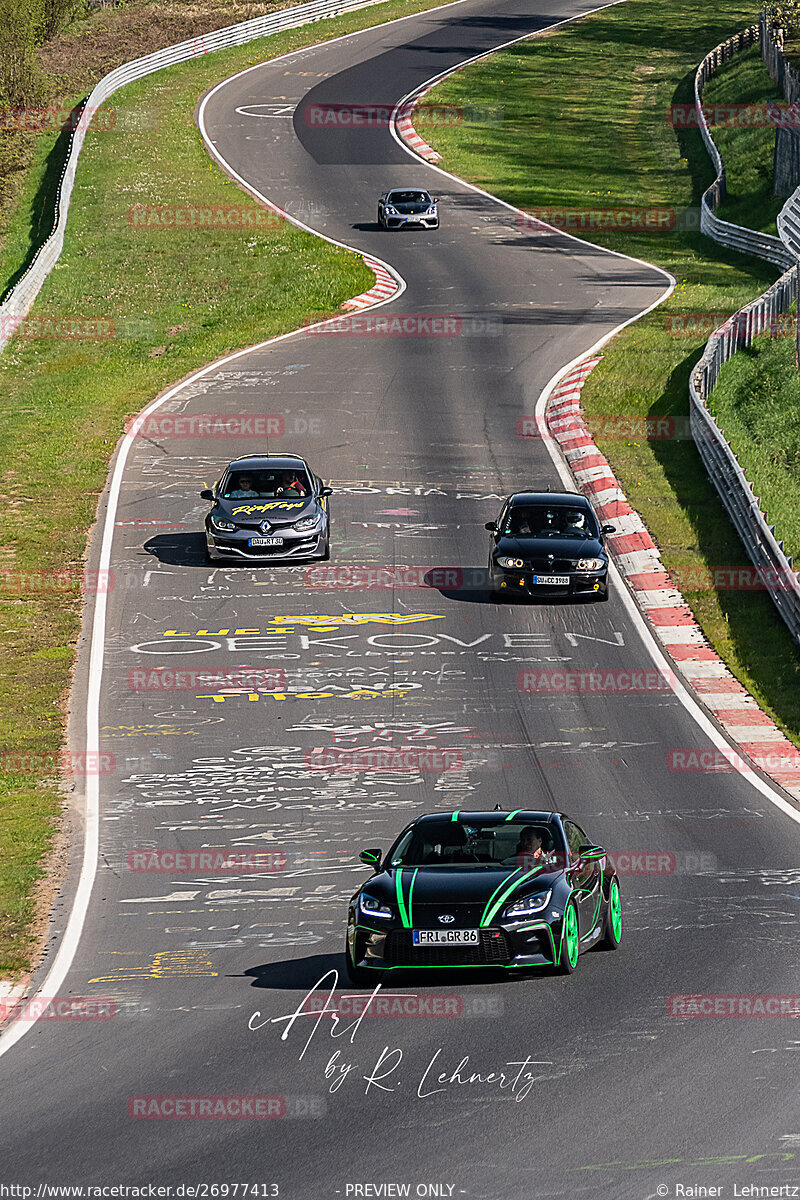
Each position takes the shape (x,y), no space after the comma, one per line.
(265,541)
(551,580)
(445,937)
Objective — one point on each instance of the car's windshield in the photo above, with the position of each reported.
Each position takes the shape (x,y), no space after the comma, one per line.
(459,843)
(409,198)
(265,484)
(549,520)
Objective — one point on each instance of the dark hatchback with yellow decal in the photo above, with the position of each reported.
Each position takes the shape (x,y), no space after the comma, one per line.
(268,507)
(483,889)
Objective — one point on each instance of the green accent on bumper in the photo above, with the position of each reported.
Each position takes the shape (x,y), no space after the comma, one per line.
(545,926)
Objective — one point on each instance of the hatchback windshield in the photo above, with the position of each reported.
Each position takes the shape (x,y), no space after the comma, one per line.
(243,483)
(455,843)
(543,520)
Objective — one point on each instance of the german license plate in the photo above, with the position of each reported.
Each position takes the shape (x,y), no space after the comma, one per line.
(265,542)
(551,580)
(446,937)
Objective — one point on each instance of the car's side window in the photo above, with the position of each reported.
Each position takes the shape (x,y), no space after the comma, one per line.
(575,838)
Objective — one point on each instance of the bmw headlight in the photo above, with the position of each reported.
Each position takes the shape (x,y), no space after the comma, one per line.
(590,564)
(513,563)
(528,906)
(371,907)
(223,526)
(306,523)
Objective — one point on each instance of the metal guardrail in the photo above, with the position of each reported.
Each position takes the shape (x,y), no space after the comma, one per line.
(748,241)
(759,317)
(19,300)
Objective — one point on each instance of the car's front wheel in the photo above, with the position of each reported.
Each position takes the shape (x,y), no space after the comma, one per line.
(570,940)
(613,931)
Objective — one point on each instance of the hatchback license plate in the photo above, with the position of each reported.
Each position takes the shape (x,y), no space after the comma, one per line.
(446,937)
(551,580)
(265,542)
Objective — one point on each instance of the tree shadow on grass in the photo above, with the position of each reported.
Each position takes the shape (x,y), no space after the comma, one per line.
(44,205)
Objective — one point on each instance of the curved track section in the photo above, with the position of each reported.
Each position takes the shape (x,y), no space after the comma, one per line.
(418,435)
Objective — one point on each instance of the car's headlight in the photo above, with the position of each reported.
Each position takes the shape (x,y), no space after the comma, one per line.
(373,908)
(590,564)
(432,211)
(529,905)
(306,523)
(512,563)
(390,209)
(227,526)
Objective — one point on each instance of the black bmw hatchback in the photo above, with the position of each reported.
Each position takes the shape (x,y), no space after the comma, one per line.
(548,544)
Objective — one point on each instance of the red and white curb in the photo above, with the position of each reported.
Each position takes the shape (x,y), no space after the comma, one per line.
(756,735)
(385,286)
(405,127)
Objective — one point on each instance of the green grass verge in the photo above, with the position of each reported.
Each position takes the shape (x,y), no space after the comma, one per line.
(757,405)
(178,300)
(585,126)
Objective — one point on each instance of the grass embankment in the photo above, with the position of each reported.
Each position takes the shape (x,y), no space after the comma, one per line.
(178,300)
(585,127)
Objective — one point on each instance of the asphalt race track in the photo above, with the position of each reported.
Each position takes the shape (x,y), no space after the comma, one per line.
(418,436)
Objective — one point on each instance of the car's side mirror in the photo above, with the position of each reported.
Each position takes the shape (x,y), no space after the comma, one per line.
(589,853)
(435,199)
(608,529)
(371,858)
(490,525)
(326,491)
(206,494)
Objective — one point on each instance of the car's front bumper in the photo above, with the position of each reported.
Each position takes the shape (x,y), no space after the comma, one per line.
(234,545)
(504,947)
(581,583)
(418,220)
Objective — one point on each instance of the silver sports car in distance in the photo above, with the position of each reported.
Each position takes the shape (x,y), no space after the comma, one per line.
(404,207)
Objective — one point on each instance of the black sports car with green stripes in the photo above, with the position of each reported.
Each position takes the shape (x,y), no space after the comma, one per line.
(483,889)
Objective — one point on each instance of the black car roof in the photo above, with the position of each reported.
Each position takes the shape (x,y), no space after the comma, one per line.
(493,816)
(266,460)
(576,499)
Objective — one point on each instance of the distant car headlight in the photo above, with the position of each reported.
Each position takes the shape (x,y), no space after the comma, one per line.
(529,905)
(306,523)
(590,564)
(388,208)
(223,526)
(432,211)
(373,908)
(513,564)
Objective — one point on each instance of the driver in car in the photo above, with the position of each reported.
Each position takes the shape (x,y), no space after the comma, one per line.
(292,483)
(245,489)
(530,848)
(576,521)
